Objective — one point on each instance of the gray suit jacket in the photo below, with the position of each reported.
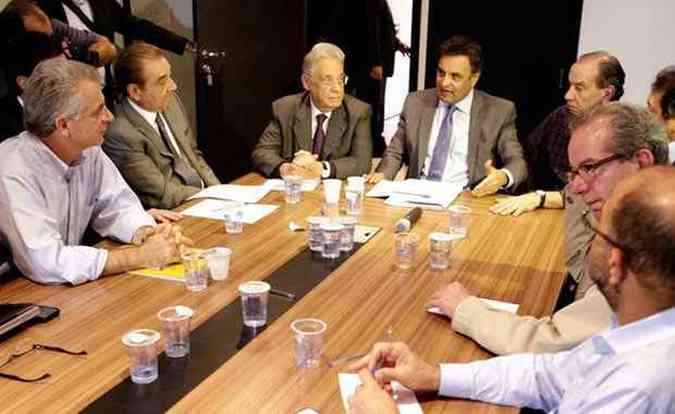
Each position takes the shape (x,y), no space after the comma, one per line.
(348,146)
(492,135)
(145,162)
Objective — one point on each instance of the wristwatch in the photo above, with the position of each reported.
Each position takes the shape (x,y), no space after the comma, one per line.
(542,197)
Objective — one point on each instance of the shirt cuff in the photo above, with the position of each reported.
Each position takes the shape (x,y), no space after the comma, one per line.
(457,380)
(325,170)
(509,177)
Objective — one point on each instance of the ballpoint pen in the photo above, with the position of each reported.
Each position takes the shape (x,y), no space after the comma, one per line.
(283,294)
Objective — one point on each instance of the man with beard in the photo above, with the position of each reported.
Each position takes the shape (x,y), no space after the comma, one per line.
(627,368)
(608,144)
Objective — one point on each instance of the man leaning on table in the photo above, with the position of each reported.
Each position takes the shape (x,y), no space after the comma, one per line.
(55,181)
(321,132)
(609,144)
(627,368)
(150,140)
(455,132)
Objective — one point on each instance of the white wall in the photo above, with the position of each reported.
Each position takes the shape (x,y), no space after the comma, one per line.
(641,33)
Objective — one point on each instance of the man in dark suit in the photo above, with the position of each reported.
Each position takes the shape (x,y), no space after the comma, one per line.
(150,140)
(319,133)
(456,133)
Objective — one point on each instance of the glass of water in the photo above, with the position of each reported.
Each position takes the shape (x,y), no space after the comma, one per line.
(234,220)
(196,270)
(141,348)
(176,329)
(440,245)
(292,187)
(460,216)
(218,259)
(314,234)
(405,248)
(254,297)
(308,334)
(353,200)
(332,240)
(348,226)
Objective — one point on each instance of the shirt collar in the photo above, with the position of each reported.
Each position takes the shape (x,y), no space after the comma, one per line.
(642,332)
(316,111)
(464,105)
(60,165)
(149,116)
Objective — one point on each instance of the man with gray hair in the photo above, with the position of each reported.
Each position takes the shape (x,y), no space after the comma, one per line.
(55,181)
(322,132)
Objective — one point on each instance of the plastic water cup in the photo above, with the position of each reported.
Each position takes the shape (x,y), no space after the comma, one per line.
(332,240)
(353,200)
(218,260)
(141,347)
(440,245)
(314,234)
(196,270)
(405,249)
(176,330)
(292,188)
(234,220)
(348,226)
(460,217)
(357,182)
(254,297)
(331,193)
(308,334)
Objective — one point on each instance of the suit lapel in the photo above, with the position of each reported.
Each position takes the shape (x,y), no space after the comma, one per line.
(475,133)
(336,128)
(144,128)
(302,126)
(424,130)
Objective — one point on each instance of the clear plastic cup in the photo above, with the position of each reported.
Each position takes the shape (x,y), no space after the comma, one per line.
(308,335)
(405,249)
(332,240)
(196,270)
(440,246)
(141,347)
(353,200)
(460,217)
(218,260)
(176,329)
(254,297)
(292,188)
(348,226)
(234,220)
(314,234)
(331,193)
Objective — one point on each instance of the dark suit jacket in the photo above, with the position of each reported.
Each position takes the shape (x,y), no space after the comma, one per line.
(348,146)
(145,162)
(492,135)
(11,117)
(110,17)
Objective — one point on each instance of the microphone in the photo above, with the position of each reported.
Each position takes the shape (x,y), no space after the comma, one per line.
(405,223)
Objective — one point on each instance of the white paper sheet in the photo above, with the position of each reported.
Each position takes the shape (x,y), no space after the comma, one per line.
(491,303)
(405,398)
(242,193)
(413,192)
(215,209)
(382,189)
(277,184)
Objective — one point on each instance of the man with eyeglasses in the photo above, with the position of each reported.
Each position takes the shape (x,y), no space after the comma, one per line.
(628,368)
(321,133)
(455,133)
(609,144)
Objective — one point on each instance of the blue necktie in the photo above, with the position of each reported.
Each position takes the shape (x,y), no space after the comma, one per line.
(442,147)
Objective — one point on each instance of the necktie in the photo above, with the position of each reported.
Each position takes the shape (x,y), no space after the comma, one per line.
(442,147)
(319,135)
(181,167)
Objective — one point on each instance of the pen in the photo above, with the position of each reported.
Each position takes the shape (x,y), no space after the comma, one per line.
(287,295)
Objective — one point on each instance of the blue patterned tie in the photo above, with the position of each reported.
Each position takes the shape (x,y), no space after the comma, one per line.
(442,147)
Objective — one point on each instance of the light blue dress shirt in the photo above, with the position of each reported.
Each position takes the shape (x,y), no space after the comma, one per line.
(627,369)
(46,206)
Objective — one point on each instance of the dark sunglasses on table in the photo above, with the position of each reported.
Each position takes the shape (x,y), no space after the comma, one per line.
(606,237)
(24,347)
(592,168)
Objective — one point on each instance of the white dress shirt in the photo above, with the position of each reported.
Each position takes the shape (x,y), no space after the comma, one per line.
(628,369)
(315,112)
(457,167)
(46,206)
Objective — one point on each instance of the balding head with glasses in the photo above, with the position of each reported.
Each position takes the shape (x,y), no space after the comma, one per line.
(610,143)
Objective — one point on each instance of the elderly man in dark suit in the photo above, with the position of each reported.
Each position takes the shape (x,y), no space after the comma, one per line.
(456,133)
(321,132)
(150,140)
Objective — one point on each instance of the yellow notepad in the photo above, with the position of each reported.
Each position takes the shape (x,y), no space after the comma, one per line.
(174,272)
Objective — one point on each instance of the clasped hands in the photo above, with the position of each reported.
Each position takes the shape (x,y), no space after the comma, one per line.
(160,244)
(304,164)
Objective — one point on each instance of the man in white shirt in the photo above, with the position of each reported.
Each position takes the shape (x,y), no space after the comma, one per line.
(628,368)
(55,182)
(456,133)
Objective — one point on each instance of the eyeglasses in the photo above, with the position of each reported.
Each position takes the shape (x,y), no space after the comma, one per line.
(587,171)
(605,236)
(24,347)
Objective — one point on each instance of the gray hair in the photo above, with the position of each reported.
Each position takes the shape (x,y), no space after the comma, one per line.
(318,52)
(51,92)
(633,129)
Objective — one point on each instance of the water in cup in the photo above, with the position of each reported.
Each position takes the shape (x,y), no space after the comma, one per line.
(254,297)
(140,346)
(218,259)
(234,220)
(348,226)
(314,233)
(354,201)
(176,329)
(292,188)
(440,245)
(332,240)
(405,248)
(196,270)
(308,334)
(459,220)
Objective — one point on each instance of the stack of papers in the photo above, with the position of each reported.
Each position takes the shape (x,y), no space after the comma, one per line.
(412,192)
(241,193)
(491,303)
(277,184)
(215,209)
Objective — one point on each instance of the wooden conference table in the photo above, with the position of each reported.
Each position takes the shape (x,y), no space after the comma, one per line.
(512,259)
